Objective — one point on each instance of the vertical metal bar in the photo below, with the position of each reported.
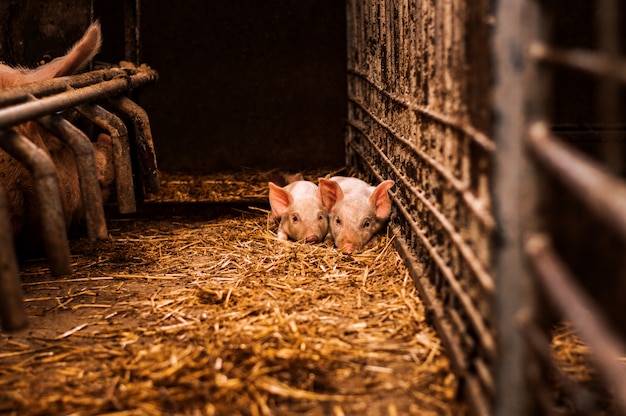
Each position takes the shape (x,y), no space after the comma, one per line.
(121,154)
(608,96)
(143,140)
(83,152)
(516,22)
(132,27)
(53,225)
(12,313)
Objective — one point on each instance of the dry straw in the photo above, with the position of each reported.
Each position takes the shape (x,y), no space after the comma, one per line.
(218,316)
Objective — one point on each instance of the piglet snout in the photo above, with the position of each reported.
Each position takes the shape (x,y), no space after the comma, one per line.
(312,239)
(348,248)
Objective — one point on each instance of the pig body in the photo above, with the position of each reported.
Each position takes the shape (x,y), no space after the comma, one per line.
(357,210)
(298,207)
(15,179)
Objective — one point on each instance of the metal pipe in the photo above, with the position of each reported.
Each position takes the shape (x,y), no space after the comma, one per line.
(143,141)
(577,307)
(21,93)
(477,136)
(597,63)
(39,163)
(122,162)
(482,275)
(22,112)
(12,313)
(83,152)
(603,193)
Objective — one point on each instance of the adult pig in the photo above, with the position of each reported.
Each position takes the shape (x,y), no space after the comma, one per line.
(16,180)
(357,210)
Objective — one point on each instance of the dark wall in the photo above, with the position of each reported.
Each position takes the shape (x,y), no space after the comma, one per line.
(242,83)
(246,83)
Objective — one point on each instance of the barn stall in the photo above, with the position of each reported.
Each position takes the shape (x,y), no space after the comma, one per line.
(495,290)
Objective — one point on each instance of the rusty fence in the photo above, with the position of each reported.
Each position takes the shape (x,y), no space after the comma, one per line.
(99,96)
(507,228)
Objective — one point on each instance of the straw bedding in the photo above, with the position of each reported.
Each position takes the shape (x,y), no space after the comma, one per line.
(199,314)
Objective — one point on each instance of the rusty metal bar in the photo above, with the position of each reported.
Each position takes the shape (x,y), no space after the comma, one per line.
(12,313)
(597,63)
(477,136)
(53,226)
(121,154)
(577,307)
(22,112)
(486,338)
(21,93)
(143,139)
(482,276)
(603,193)
(477,207)
(479,402)
(83,152)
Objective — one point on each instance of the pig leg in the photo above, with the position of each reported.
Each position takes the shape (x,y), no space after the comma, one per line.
(39,163)
(12,313)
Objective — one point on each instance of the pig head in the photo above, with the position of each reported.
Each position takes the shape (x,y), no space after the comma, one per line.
(298,207)
(357,210)
(16,180)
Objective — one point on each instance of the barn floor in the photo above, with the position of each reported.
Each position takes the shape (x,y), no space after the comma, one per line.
(200,309)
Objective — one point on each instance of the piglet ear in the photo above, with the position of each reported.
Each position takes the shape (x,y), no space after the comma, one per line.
(330,192)
(280,200)
(380,199)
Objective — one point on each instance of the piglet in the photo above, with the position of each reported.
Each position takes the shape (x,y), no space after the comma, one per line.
(298,207)
(357,210)
(16,180)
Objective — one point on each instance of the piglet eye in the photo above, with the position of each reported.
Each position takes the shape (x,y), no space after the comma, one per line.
(367,222)
(294,218)
(338,221)
(320,217)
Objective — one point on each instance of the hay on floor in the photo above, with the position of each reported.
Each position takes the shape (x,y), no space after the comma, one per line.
(218,316)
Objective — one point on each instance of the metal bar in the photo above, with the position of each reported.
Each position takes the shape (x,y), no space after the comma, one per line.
(39,163)
(477,136)
(477,207)
(516,22)
(12,313)
(83,152)
(22,112)
(577,307)
(597,63)
(458,357)
(143,139)
(485,337)
(603,193)
(121,154)
(21,93)
(482,276)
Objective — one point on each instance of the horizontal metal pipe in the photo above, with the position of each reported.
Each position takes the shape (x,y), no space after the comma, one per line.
(482,276)
(12,313)
(39,163)
(477,136)
(31,110)
(603,193)
(84,157)
(474,204)
(21,93)
(469,308)
(577,307)
(143,138)
(122,162)
(597,63)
